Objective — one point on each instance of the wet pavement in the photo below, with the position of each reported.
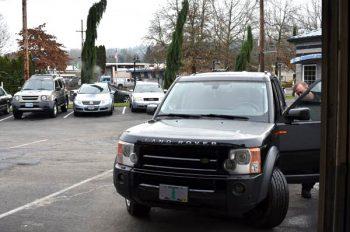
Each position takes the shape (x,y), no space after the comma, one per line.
(55,175)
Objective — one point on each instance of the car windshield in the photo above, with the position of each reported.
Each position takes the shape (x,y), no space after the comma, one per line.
(225,99)
(147,89)
(39,84)
(93,89)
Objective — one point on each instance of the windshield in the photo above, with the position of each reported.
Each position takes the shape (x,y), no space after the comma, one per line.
(93,89)
(225,98)
(39,84)
(147,89)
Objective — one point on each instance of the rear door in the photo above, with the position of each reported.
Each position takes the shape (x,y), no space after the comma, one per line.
(299,141)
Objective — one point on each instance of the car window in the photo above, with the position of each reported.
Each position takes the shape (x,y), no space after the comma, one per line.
(148,88)
(231,98)
(93,89)
(38,84)
(312,101)
(2,93)
(60,82)
(57,85)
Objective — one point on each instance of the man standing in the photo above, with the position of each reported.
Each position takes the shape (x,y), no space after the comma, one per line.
(299,89)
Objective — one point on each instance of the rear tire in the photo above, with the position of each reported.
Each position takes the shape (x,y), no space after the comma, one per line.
(8,109)
(54,111)
(110,113)
(17,114)
(272,211)
(136,209)
(64,108)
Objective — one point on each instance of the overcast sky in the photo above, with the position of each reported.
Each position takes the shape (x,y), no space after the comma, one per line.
(124,24)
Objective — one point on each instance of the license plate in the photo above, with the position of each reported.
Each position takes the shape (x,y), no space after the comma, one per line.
(173,193)
(91,107)
(29,105)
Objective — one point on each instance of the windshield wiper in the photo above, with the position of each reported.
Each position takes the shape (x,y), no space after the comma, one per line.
(179,115)
(223,116)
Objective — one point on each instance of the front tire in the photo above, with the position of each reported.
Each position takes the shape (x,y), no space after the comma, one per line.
(272,211)
(76,114)
(54,111)
(137,210)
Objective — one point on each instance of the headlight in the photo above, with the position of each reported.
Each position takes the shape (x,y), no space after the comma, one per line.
(243,161)
(138,99)
(126,155)
(104,102)
(76,102)
(17,98)
(45,98)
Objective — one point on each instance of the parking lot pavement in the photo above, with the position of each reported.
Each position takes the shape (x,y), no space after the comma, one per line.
(55,175)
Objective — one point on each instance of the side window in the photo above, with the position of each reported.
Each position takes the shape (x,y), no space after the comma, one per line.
(2,93)
(57,85)
(312,101)
(61,83)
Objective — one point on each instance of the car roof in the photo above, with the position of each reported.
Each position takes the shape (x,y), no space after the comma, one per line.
(146,83)
(46,76)
(227,76)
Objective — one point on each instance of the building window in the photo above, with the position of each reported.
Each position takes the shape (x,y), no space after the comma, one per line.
(309,73)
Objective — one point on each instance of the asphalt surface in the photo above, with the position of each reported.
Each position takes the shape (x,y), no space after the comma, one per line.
(55,175)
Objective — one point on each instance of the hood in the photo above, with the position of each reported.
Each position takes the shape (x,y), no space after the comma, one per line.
(93,97)
(149,95)
(235,132)
(34,92)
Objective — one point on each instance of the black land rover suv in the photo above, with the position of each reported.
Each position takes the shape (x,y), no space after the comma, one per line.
(222,141)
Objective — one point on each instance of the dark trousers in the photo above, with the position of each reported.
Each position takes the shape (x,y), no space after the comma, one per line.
(307,186)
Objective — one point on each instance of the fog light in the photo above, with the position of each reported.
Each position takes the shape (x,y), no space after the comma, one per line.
(230,165)
(133,158)
(238,189)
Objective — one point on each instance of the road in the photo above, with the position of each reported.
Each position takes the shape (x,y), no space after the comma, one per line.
(55,175)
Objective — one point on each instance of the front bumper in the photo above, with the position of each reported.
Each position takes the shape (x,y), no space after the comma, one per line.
(92,108)
(209,192)
(143,104)
(38,106)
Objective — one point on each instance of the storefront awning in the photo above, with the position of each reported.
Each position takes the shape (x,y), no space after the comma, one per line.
(300,59)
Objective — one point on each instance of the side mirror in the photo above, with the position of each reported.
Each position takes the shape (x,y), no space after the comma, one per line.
(19,88)
(165,90)
(302,114)
(151,109)
(113,92)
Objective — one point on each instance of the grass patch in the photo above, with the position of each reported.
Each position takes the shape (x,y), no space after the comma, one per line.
(121,104)
(289,97)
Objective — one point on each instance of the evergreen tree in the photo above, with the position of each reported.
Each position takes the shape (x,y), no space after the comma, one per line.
(101,58)
(243,59)
(174,54)
(88,55)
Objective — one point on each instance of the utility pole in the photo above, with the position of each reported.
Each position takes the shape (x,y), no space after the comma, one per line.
(262,38)
(82,34)
(25,41)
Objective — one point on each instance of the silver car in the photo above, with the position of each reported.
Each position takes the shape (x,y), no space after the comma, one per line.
(94,98)
(144,94)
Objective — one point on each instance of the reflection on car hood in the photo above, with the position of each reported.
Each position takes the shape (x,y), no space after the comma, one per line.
(93,97)
(34,92)
(249,134)
(148,95)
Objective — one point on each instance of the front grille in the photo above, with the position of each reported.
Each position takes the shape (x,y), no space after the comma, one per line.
(151,99)
(30,98)
(183,159)
(91,103)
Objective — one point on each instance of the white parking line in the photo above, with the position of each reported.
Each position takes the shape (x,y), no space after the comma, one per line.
(124,110)
(41,200)
(26,144)
(6,118)
(68,115)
